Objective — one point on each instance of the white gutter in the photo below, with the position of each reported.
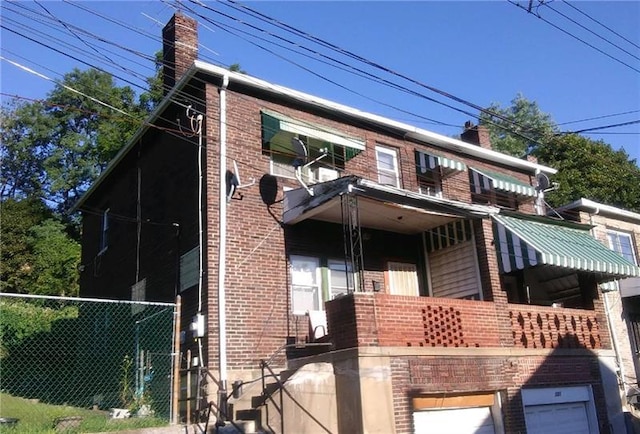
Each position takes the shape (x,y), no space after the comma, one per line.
(222,242)
(409,130)
(600,208)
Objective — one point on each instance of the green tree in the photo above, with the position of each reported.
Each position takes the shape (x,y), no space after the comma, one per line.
(150,99)
(86,134)
(38,254)
(586,168)
(18,217)
(527,126)
(56,257)
(23,134)
(590,169)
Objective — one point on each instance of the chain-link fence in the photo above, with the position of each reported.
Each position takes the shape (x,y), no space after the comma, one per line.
(87,353)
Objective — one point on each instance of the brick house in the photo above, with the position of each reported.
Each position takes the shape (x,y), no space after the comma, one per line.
(619,229)
(384,277)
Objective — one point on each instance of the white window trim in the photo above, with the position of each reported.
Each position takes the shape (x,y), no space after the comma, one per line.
(318,277)
(627,235)
(396,171)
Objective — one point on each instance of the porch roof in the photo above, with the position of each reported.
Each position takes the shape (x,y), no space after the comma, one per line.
(379,206)
(524,242)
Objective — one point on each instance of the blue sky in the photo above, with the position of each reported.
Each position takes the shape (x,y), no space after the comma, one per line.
(482,52)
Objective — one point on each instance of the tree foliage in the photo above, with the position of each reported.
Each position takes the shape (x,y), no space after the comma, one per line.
(52,151)
(590,169)
(586,168)
(527,126)
(38,254)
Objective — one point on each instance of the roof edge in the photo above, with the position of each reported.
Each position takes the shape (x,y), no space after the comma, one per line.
(409,130)
(598,208)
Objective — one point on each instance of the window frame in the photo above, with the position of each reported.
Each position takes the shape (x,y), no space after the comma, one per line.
(104,232)
(631,256)
(323,280)
(317,273)
(381,171)
(350,278)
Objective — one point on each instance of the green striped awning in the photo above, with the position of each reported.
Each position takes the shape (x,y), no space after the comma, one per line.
(526,242)
(428,160)
(274,123)
(485,179)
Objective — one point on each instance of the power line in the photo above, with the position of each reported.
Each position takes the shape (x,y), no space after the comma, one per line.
(383,68)
(573,36)
(599,23)
(589,30)
(604,127)
(599,117)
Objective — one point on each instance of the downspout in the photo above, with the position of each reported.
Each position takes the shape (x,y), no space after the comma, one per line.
(539,204)
(222,244)
(614,335)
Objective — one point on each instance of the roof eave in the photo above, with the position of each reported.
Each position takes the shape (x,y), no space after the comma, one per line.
(600,208)
(409,131)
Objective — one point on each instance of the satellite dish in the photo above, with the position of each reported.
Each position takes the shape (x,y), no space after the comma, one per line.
(268,189)
(300,149)
(232,184)
(543,182)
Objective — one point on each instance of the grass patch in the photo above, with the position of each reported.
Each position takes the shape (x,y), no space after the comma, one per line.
(36,417)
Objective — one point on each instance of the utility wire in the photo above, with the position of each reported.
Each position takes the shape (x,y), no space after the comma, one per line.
(573,36)
(589,30)
(599,23)
(604,127)
(598,117)
(380,67)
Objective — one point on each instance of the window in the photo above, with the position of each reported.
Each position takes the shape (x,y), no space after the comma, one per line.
(621,243)
(282,156)
(387,165)
(429,182)
(315,280)
(305,284)
(402,278)
(340,278)
(104,233)
(278,131)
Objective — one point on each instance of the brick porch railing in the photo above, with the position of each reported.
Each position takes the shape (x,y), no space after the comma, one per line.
(371,319)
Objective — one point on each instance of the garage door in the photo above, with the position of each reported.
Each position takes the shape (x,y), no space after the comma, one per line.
(569,418)
(454,421)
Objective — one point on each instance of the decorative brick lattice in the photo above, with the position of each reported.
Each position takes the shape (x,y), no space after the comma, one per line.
(555,329)
(443,327)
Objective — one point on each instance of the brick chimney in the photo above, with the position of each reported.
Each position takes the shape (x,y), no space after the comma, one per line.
(179,48)
(476,134)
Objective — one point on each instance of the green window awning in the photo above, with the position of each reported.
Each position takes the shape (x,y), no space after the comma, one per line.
(429,160)
(486,179)
(527,242)
(275,123)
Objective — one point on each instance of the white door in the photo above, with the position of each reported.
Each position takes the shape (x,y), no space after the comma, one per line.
(476,420)
(567,418)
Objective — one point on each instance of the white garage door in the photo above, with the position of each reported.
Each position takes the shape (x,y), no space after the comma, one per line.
(454,421)
(569,418)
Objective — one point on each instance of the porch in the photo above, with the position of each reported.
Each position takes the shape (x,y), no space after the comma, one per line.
(385,320)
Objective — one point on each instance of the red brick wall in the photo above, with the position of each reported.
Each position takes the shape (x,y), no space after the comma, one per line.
(402,321)
(412,376)
(258,321)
